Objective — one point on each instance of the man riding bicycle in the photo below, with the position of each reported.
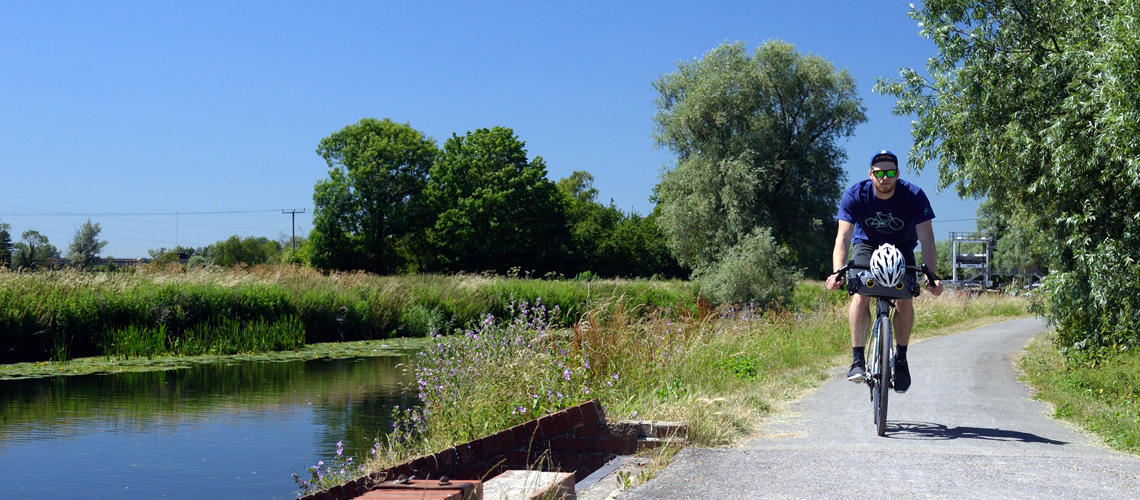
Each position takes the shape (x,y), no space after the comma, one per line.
(883,209)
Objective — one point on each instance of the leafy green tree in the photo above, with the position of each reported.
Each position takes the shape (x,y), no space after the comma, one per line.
(294,249)
(757,144)
(494,209)
(1034,105)
(1018,247)
(608,242)
(369,211)
(591,225)
(33,251)
(163,256)
(5,245)
(249,251)
(175,253)
(943,266)
(83,252)
(638,248)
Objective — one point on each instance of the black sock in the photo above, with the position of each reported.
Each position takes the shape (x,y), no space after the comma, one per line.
(857,354)
(901,350)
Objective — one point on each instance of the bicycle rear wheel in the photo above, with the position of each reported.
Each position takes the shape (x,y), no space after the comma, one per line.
(882,360)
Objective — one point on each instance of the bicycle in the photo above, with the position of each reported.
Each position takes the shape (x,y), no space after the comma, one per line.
(880,364)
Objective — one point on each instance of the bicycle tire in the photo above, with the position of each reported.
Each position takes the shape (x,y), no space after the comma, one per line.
(873,375)
(883,360)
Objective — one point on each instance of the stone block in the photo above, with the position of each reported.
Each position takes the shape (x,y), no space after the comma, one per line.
(530,485)
(667,430)
(621,430)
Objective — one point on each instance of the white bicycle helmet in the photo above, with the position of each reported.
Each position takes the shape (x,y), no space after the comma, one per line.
(888,266)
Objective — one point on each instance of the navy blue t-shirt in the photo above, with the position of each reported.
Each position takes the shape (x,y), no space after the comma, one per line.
(885,221)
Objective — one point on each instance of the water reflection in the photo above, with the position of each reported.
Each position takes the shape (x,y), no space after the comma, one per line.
(225,431)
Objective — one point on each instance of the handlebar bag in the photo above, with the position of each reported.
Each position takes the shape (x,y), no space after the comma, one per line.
(861,282)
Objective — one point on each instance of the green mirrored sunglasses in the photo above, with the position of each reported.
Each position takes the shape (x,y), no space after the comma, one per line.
(891,174)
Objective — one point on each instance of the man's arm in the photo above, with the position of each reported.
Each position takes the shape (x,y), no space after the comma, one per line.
(925,232)
(839,254)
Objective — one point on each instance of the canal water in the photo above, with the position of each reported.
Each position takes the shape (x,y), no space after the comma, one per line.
(213,431)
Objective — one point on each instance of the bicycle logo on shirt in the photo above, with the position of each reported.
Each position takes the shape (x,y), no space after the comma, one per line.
(881,221)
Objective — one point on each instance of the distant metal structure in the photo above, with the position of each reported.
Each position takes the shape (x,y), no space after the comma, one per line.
(972,268)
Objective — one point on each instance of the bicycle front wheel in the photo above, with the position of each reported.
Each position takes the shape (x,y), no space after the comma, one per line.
(883,362)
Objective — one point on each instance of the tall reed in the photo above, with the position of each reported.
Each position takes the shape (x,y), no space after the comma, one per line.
(64,314)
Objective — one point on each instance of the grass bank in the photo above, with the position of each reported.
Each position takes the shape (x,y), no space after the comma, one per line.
(721,371)
(1102,396)
(60,315)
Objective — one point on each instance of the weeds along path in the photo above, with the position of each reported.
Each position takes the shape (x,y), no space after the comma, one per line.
(966,429)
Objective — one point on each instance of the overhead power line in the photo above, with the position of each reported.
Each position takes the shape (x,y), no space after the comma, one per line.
(71,214)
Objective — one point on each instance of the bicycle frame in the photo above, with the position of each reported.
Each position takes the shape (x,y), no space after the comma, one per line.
(880,364)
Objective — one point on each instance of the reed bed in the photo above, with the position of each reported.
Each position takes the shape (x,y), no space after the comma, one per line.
(59,315)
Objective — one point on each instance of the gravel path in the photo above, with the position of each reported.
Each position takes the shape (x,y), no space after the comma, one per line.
(966,429)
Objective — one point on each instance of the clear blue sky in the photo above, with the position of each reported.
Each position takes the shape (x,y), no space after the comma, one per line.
(131,108)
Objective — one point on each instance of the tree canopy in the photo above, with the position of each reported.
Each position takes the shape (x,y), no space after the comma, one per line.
(83,252)
(33,251)
(494,209)
(369,209)
(5,244)
(606,241)
(757,144)
(248,251)
(1034,105)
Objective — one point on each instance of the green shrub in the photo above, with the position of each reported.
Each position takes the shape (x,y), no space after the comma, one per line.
(755,271)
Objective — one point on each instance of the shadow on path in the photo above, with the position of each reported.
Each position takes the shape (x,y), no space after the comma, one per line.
(937,432)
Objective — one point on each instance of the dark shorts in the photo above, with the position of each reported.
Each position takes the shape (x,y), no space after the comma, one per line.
(861,254)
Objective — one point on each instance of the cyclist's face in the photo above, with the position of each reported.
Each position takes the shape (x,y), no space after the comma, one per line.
(886,183)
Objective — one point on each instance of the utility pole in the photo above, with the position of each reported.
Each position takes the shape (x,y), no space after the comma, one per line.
(294,213)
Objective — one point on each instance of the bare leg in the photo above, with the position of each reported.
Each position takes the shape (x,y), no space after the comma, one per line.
(859,316)
(904,321)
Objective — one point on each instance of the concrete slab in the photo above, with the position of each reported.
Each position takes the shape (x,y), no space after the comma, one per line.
(530,485)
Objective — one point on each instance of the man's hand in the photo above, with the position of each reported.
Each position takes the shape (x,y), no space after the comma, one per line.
(835,281)
(935,288)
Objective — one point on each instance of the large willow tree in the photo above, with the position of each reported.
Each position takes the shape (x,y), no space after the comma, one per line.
(758,158)
(1036,105)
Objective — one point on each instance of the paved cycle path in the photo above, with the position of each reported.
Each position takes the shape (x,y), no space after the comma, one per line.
(966,429)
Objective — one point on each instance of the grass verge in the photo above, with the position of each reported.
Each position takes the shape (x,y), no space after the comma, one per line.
(720,371)
(1103,398)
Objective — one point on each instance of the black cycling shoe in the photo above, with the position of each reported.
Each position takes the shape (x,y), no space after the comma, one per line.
(901,379)
(858,373)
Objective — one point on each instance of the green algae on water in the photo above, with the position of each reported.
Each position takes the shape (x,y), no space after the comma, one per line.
(106,365)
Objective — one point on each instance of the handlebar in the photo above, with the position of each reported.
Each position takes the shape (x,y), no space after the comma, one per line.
(930,276)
